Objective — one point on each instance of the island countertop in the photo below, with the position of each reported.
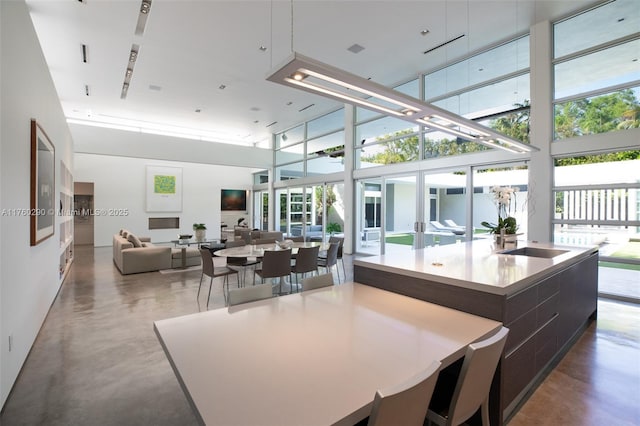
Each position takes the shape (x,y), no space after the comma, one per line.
(477,265)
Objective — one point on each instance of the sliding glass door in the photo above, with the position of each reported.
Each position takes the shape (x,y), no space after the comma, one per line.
(444,216)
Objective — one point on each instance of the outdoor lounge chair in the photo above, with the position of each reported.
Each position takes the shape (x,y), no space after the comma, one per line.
(440,227)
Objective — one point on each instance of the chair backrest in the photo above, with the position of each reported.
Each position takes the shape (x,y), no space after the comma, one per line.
(438,225)
(234,243)
(296,239)
(276,263)
(249,294)
(319,281)
(264,241)
(332,254)
(479,366)
(339,240)
(245,235)
(207,262)
(407,402)
(450,223)
(306,260)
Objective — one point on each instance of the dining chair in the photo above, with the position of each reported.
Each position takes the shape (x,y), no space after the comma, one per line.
(340,240)
(306,260)
(275,264)
(241,262)
(263,241)
(405,404)
(249,294)
(472,387)
(209,269)
(331,259)
(319,281)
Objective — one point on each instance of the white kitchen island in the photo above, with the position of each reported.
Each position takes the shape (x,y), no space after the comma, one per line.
(544,301)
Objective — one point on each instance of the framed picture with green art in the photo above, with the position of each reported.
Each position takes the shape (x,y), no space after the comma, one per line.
(164,189)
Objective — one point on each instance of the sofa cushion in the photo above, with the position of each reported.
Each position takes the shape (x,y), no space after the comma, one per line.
(134,240)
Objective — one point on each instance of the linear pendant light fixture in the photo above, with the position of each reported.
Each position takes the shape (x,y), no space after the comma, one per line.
(307,74)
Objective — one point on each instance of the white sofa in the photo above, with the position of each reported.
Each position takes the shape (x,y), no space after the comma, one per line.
(130,259)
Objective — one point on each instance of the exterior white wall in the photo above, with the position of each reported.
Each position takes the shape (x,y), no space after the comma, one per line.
(404,205)
(29,276)
(120,183)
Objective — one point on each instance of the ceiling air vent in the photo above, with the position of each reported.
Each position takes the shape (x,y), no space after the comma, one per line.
(443,44)
(85,58)
(355,48)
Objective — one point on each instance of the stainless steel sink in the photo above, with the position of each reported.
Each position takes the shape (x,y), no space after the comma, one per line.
(535,252)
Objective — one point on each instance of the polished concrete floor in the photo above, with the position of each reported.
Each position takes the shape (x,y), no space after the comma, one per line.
(97,360)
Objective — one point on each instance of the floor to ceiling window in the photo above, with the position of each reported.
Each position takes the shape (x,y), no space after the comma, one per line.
(597,90)
(597,71)
(488,180)
(597,202)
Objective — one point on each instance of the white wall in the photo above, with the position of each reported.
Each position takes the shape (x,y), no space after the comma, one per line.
(29,277)
(99,140)
(404,205)
(120,183)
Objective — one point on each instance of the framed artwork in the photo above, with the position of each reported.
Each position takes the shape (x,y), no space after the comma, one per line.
(164,189)
(42,212)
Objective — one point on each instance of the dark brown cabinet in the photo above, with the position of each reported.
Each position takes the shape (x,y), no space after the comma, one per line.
(543,319)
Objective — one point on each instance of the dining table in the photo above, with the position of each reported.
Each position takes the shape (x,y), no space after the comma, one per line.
(310,358)
(253,250)
(257,251)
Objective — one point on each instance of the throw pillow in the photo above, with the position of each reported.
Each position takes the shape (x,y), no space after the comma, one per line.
(125,233)
(134,240)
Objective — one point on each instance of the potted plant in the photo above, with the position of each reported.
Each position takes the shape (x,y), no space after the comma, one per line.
(507,225)
(201,231)
(333,227)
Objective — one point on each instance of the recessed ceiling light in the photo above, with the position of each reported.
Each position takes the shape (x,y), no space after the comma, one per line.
(621,19)
(424,32)
(263,48)
(255,109)
(198,110)
(155,87)
(289,103)
(146,5)
(480,69)
(222,87)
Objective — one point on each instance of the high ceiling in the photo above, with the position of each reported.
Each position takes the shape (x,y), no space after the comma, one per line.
(202,64)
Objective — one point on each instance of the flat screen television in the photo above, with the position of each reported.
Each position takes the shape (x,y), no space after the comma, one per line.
(233,200)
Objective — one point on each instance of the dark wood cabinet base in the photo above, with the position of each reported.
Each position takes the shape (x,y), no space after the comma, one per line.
(544,320)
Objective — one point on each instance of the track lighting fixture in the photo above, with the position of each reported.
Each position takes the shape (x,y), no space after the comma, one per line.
(305,73)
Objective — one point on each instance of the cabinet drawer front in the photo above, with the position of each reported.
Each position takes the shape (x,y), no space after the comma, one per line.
(518,370)
(546,343)
(520,303)
(520,330)
(546,310)
(548,288)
